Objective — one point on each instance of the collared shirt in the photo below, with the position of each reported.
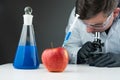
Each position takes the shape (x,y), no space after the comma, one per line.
(80,36)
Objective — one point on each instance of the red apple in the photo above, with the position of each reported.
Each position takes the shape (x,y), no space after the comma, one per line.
(55,59)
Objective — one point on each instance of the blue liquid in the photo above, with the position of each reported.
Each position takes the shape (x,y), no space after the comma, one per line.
(26,58)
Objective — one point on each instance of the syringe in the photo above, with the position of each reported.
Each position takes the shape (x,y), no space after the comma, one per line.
(70,30)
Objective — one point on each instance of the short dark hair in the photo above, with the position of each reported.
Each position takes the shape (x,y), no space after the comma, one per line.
(89,8)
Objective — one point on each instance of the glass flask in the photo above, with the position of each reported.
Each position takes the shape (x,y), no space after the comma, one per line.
(27,54)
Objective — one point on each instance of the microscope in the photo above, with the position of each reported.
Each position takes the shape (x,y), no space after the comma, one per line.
(98,44)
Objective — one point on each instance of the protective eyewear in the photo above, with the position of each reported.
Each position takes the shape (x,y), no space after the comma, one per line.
(99,26)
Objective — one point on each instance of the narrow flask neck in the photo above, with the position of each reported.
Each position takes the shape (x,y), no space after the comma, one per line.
(28,19)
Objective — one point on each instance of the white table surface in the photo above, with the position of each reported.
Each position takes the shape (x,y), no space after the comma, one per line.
(72,72)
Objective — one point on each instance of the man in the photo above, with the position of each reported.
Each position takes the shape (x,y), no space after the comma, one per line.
(95,16)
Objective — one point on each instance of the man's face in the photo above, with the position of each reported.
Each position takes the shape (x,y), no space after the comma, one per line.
(99,23)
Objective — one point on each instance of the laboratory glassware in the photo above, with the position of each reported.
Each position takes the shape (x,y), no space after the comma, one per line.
(27,54)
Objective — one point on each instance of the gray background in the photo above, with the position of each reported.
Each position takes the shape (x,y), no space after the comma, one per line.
(50,20)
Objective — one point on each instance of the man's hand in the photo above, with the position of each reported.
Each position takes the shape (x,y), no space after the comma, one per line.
(84,52)
(106,60)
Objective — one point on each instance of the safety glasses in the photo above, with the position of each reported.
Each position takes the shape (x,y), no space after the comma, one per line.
(97,26)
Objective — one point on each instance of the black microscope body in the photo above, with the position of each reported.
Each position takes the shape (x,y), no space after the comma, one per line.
(98,45)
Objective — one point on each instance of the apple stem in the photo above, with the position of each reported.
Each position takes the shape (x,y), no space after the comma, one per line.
(52,44)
